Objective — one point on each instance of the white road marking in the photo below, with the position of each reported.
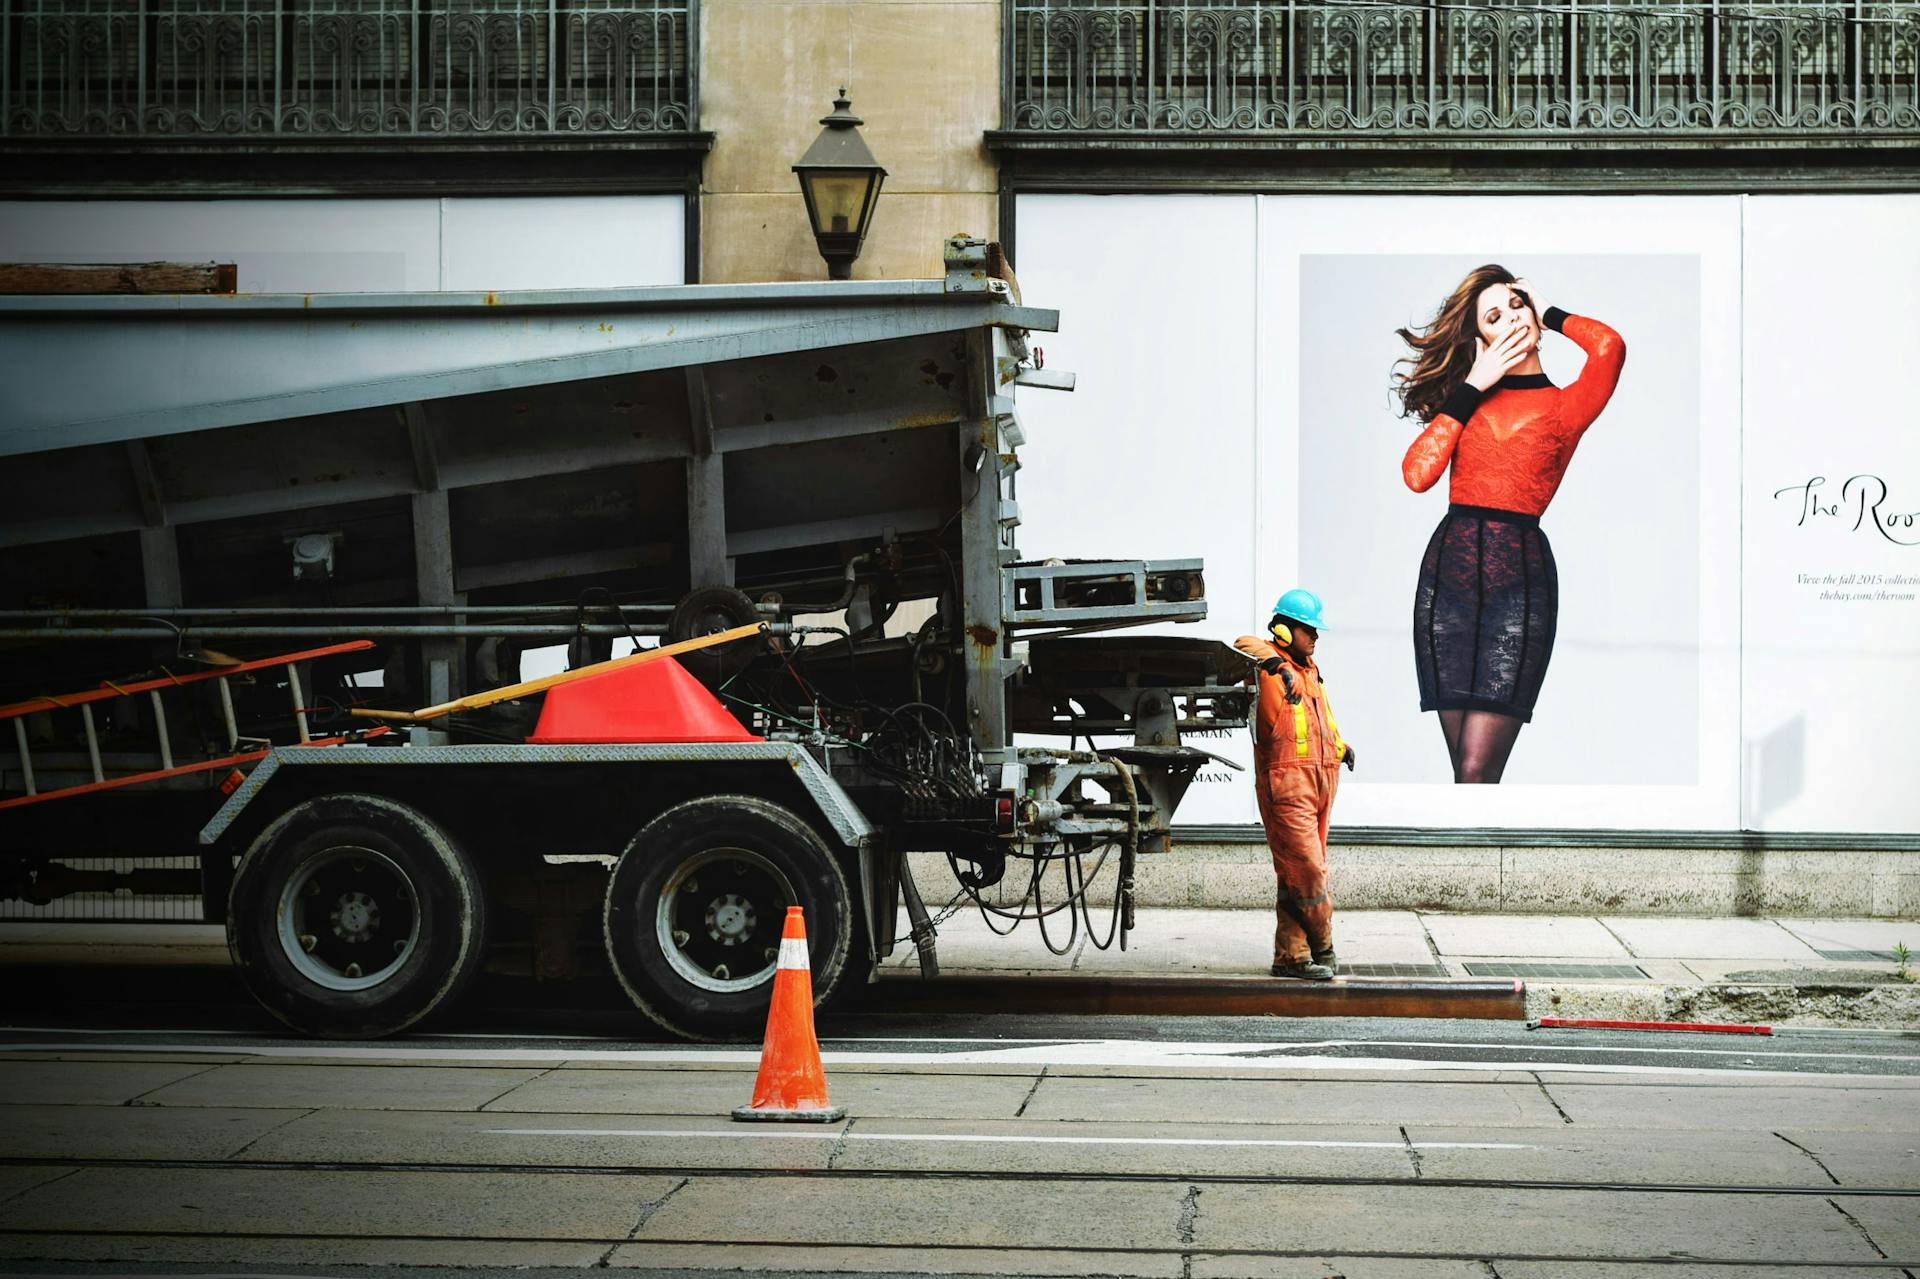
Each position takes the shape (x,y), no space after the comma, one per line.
(829,1134)
(1108,1053)
(1271,1051)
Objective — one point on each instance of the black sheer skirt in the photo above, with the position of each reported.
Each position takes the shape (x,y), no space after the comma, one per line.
(1484,612)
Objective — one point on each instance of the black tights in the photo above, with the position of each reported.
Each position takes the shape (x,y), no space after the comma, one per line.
(1479,742)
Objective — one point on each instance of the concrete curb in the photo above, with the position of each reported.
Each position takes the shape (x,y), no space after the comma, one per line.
(1890,1005)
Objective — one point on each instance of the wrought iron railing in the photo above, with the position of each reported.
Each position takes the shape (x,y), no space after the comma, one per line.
(333,68)
(1463,67)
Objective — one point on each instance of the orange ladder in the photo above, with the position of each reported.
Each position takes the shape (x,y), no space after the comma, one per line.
(108,690)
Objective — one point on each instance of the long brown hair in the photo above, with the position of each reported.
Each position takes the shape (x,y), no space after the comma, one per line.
(1443,351)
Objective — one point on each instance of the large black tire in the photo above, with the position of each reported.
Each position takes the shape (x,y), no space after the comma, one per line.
(696,906)
(355,916)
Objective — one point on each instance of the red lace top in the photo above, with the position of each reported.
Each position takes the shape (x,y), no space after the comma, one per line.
(1510,447)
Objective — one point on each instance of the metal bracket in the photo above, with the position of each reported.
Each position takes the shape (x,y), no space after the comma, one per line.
(966,265)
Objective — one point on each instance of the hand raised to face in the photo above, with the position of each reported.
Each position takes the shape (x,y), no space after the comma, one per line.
(1537,302)
(1491,363)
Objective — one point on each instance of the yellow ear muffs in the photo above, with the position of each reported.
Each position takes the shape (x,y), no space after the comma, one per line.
(1282,633)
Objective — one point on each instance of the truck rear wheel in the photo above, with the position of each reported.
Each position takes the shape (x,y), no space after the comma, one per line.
(696,905)
(356,916)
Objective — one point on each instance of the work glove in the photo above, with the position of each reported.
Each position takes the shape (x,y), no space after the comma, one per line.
(1348,759)
(1273,665)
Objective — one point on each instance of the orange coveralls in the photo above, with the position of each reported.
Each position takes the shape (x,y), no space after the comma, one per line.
(1296,760)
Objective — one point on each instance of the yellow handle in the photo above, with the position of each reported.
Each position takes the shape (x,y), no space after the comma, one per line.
(545,682)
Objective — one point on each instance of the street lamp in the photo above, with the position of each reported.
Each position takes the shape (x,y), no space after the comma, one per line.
(841,182)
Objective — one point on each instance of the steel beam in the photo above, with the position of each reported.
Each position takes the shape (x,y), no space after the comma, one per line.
(441,668)
(146,484)
(707,560)
(160,566)
(142,367)
(426,464)
(983,640)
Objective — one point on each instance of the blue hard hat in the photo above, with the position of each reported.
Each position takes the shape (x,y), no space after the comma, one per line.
(1300,606)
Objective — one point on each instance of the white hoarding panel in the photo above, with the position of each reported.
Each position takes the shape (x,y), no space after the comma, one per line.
(1637,725)
(563,242)
(280,246)
(1831,570)
(1151,458)
(369,246)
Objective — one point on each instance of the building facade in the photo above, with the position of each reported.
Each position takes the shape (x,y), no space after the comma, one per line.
(1233,203)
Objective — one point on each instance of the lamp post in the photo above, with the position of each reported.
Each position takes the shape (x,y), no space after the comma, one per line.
(840,180)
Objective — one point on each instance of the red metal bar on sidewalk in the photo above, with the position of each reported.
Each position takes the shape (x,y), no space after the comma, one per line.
(1698,1027)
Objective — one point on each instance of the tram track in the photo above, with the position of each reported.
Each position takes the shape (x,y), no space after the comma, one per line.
(1036,1176)
(999,1253)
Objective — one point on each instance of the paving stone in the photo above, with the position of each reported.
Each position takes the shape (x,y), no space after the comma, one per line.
(1890,1223)
(1300,1102)
(864,1093)
(1588,1153)
(1523,936)
(134,1132)
(1330,1267)
(920,1213)
(1856,934)
(1866,1105)
(283,1085)
(1370,1150)
(812,1258)
(1709,938)
(1588,1224)
(243,1254)
(965,942)
(16,1180)
(1879,1159)
(356,1205)
(88,1083)
(549,1140)
(1190,941)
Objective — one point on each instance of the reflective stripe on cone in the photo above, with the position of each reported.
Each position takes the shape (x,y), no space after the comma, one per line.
(792,1085)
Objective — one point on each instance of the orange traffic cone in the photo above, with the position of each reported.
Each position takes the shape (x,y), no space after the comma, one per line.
(792,1085)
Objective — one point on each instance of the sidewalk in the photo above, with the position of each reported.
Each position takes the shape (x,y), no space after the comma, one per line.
(1642,968)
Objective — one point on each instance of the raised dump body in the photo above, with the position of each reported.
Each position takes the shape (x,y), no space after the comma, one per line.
(469,479)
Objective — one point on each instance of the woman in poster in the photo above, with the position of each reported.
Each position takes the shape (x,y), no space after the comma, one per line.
(1488,596)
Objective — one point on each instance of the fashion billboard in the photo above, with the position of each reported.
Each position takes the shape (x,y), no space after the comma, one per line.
(1517,444)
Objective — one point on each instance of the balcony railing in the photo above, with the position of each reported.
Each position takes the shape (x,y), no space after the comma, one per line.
(1519,68)
(344,68)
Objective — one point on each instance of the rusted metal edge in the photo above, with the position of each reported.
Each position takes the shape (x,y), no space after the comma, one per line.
(1503,1000)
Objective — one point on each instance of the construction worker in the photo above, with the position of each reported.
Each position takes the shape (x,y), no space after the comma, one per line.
(1297,753)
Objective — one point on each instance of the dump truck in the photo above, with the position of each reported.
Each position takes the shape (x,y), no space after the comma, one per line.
(316,546)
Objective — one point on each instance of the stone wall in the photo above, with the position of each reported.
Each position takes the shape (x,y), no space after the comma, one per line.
(923,74)
(1518,880)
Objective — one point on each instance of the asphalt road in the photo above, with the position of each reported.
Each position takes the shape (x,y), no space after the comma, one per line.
(975,1145)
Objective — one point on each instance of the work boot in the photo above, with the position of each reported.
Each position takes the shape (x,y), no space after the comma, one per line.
(1326,957)
(1304,969)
